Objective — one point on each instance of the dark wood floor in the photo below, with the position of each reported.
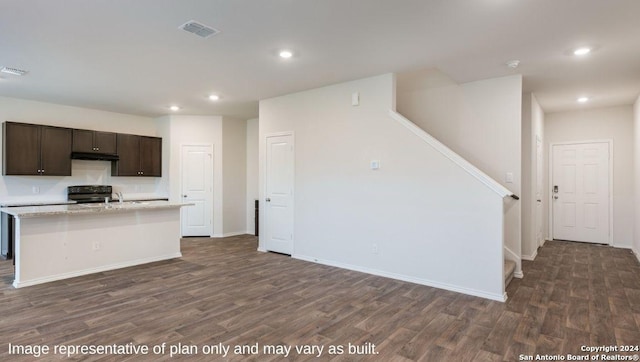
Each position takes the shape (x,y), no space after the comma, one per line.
(224,291)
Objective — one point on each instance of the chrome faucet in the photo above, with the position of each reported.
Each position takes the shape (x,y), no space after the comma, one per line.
(120,197)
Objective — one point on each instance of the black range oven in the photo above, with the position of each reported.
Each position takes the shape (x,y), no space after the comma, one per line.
(89,193)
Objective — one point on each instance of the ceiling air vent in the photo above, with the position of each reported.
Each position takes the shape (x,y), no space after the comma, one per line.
(199,29)
(14,71)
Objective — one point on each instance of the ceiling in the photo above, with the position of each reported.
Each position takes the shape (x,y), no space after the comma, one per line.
(130,56)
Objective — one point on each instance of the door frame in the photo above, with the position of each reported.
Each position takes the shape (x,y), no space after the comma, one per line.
(539,175)
(263,210)
(609,143)
(180,193)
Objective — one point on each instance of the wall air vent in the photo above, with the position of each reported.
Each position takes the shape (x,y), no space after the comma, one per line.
(14,71)
(199,29)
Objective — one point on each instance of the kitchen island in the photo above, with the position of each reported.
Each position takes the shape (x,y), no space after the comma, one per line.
(56,242)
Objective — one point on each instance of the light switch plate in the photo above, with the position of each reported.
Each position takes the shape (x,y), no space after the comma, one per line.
(509,177)
(375,164)
(355,99)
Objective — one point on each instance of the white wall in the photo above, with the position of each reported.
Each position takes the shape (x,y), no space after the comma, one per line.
(615,123)
(228,138)
(481,121)
(636,167)
(532,128)
(53,188)
(431,222)
(194,130)
(252,173)
(234,176)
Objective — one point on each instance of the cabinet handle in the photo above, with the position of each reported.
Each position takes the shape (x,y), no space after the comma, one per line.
(97,148)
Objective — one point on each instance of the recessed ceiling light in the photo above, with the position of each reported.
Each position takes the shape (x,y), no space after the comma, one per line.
(286,54)
(214,97)
(583,99)
(582,51)
(174,108)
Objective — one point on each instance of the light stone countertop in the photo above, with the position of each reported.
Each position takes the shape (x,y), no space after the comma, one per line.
(35,203)
(72,209)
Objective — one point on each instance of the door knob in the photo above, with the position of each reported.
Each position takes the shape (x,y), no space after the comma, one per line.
(267,199)
(184,195)
(555,197)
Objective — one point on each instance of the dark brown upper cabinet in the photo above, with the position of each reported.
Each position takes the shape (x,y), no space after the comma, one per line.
(31,149)
(94,141)
(139,156)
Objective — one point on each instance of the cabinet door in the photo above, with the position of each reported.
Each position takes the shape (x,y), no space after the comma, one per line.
(104,142)
(151,156)
(21,154)
(128,147)
(82,140)
(55,151)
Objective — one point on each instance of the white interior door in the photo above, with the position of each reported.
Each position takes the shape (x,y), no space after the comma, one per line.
(279,194)
(539,176)
(197,189)
(580,192)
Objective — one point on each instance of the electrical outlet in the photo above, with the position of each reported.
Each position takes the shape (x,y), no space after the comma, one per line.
(374,248)
(96,245)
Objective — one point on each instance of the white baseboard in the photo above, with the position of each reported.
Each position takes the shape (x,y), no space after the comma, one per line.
(430,283)
(530,257)
(637,254)
(126,264)
(235,233)
(262,249)
(226,235)
(518,274)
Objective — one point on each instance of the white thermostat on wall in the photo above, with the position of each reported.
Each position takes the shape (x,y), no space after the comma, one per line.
(375,164)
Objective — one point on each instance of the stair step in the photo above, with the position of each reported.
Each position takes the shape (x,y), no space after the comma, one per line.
(509,269)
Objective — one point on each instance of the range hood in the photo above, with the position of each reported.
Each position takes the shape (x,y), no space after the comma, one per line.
(94,156)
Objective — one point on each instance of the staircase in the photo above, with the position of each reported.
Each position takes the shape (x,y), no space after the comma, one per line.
(509,269)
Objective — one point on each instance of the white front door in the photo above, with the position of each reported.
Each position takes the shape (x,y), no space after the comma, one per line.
(279,194)
(197,189)
(580,192)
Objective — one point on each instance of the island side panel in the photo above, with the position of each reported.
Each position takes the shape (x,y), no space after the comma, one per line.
(57,247)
